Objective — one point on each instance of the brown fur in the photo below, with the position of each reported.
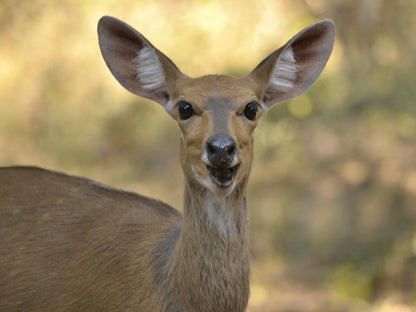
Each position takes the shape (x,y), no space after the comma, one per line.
(71,244)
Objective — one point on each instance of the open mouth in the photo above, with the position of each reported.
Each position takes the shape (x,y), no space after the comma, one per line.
(223,176)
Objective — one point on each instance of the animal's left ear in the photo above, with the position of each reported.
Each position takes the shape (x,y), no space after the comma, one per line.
(292,69)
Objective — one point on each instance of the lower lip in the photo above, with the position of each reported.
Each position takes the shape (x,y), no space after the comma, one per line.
(228,182)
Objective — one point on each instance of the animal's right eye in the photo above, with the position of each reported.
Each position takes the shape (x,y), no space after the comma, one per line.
(185,110)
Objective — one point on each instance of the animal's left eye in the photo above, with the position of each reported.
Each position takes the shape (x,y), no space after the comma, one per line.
(250,111)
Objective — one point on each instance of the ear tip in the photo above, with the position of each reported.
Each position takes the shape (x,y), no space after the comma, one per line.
(325,29)
(104,22)
(107,21)
(329,26)
(328,22)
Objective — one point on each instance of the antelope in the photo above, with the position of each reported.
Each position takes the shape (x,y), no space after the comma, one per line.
(71,244)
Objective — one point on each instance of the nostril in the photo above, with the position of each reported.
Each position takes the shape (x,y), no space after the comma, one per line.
(211,148)
(231,149)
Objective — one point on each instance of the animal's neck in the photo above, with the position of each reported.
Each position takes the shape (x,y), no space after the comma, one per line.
(222,216)
(210,265)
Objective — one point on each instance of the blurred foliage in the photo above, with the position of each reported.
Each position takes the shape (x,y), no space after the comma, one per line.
(333,190)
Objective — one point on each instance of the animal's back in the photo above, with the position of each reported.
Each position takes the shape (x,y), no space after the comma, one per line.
(68,243)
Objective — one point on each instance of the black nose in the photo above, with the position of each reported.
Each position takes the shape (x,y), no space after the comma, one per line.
(221,150)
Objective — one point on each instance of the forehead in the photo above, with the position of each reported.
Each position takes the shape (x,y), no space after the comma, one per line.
(219,109)
(217,92)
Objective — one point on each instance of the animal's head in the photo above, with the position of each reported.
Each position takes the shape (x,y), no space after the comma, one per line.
(216,114)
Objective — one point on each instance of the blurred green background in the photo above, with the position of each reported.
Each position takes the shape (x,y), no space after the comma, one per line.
(332,195)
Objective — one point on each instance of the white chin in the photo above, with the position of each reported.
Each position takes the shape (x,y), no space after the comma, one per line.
(216,189)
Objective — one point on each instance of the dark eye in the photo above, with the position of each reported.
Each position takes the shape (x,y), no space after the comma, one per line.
(250,111)
(185,110)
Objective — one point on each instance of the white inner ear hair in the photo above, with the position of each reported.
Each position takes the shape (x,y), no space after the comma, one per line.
(283,74)
(150,72)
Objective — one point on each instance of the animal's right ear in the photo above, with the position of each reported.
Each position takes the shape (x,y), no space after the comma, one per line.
(135,63)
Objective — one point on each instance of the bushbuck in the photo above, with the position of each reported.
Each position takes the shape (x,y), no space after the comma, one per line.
(71,244)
